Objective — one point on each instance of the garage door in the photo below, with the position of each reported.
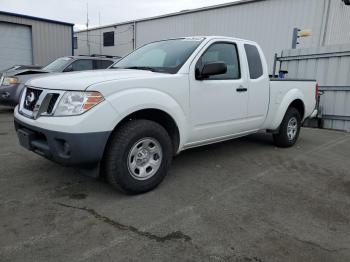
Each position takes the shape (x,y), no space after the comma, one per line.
(15,45)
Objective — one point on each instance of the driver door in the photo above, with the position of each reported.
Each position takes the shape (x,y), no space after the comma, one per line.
(219,104)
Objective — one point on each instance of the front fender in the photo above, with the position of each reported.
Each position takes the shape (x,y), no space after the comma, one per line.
(281,105)
(129,101)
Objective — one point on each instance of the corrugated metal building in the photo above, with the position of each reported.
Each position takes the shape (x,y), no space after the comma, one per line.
(324,56)
(120,45)
(330,65)
(32,40)
(268,22)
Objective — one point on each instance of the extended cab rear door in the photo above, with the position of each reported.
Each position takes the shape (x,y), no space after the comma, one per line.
(258,86)
(218,104)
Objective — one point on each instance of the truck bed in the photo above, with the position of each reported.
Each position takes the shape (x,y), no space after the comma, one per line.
(287,89)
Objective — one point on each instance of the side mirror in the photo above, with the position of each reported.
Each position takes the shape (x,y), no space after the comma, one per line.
(211,69)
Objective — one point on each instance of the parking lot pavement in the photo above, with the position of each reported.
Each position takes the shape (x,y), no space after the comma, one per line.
(242,200)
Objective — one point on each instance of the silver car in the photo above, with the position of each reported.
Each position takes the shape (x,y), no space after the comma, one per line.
(13,81)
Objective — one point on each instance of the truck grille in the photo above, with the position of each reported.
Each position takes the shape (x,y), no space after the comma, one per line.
(31,98)
(52,103)
(39,102)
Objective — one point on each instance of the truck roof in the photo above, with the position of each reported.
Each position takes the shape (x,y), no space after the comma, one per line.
(114,58)
(210,37)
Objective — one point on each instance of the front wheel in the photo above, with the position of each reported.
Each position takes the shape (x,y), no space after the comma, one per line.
(138,156)
(289,129)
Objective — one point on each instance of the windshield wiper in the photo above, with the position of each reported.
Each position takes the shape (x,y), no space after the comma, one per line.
(141,68)
(148,68)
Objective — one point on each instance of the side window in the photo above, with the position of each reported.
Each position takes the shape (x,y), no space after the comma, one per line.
(81,65)
(102,64)
(254,61)
(108,38)
(226,53)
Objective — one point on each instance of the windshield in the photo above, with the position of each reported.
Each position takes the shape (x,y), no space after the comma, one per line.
(164,56)
(58,65)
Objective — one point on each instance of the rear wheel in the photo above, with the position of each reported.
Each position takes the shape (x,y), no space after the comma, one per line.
(289,130)
(138,156)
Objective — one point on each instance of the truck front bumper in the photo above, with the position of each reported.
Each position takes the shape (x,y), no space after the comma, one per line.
(69,149)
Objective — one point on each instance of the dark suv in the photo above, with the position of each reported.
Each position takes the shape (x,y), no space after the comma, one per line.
(12,82)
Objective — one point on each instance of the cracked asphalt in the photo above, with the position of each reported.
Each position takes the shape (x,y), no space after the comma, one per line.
(242,200)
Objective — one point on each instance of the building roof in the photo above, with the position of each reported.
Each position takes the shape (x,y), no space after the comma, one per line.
(238,2)
(35,18)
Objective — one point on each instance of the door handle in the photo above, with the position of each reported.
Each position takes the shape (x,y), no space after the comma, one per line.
(242,89)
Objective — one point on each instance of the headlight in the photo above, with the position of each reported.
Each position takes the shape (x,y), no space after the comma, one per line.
(77,103)
(9,80)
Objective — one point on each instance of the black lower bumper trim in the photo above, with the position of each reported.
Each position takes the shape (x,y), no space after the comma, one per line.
(81,150)
(10,95)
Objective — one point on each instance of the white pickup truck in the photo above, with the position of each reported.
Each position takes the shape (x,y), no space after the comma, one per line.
(161,99)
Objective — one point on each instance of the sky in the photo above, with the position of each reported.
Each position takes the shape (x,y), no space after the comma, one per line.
(111,11)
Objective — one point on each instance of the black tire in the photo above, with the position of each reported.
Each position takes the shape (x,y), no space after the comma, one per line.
(115,163)
(282,139)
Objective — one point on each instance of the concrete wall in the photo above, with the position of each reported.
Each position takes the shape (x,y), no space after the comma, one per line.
(49,40)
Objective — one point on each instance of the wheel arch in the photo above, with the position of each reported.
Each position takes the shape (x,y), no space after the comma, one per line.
(153,114)
(159,116)
(298,104)
(294,98)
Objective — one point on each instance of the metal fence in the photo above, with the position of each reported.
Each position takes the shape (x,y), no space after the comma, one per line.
(330,66)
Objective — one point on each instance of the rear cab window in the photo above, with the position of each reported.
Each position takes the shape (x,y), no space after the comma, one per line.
(102,64)
(80,65)
(254,61)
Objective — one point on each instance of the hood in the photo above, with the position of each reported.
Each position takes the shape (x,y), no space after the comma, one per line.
(31,72)
(24,75)
(80,81)
(24,72)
